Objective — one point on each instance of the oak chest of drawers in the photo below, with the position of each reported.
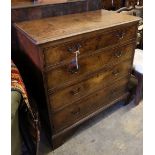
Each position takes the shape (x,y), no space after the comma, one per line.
(78,65)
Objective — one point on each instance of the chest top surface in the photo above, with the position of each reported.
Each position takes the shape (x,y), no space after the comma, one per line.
(55,28)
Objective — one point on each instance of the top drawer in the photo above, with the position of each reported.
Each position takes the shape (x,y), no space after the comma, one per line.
(57,54)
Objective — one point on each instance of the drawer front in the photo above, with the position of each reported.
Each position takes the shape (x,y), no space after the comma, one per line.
(57,54)
(70,94)
(79,110)
(88,65)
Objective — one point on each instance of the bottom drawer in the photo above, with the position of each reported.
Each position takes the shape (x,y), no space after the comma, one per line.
(87,105)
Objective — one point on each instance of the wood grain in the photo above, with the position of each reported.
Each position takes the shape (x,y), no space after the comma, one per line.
(62,75)
(108,76)
(50,29)
(88,105)
(71,96)
(61,52)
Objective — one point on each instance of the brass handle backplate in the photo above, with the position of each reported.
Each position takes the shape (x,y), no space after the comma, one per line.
(115,72)
(74,48)
(76,111)
(118,54)
(120,34)
(73,69)
(75,91)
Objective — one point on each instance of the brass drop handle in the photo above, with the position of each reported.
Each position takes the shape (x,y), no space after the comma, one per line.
(74,48)
(118,54)
(115,72)
(120,34)
(76,111)
(73,69)
(75,91)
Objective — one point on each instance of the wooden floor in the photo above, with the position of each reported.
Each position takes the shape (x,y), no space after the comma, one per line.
(117,131)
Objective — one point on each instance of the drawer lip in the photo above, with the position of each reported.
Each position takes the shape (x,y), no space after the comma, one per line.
(131,41)
(90,110)
(84,96)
